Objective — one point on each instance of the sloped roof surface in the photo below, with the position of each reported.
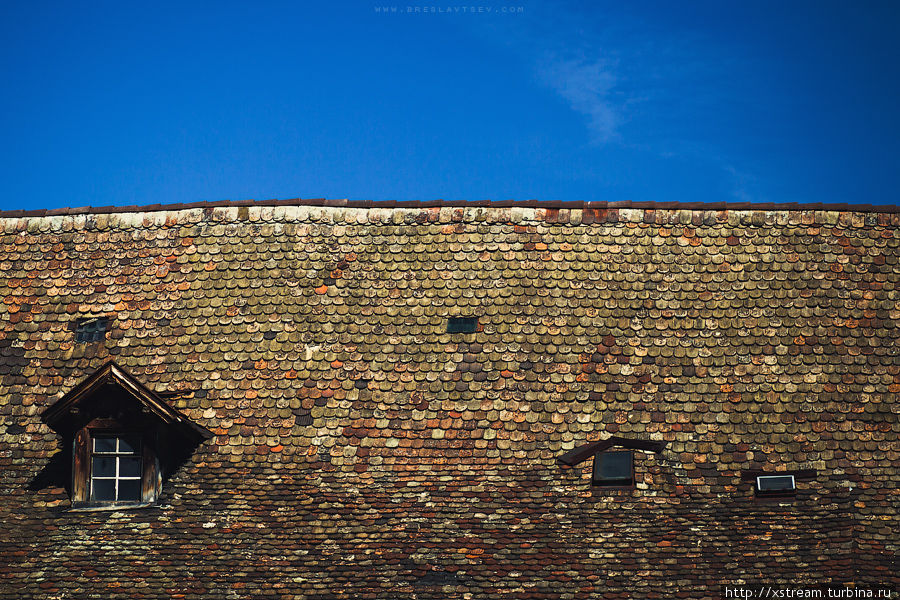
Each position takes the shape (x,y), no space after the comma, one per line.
(360,451)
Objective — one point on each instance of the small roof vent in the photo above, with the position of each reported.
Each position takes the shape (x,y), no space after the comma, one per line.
(462,324)
(91,329)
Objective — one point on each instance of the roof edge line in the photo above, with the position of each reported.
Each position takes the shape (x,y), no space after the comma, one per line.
(421,204)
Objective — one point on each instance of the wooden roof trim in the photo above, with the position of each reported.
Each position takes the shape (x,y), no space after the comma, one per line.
(111,372)
(581,453)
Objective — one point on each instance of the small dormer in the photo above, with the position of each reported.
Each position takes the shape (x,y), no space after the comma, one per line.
(125,439)
(613,460)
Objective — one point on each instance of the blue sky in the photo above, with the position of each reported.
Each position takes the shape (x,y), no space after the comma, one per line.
(143,103)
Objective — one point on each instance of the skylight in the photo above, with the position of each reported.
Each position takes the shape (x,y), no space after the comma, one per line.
(775,484)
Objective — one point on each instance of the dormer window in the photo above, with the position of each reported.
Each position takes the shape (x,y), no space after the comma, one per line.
(124,439)
(116,468)
(613,469)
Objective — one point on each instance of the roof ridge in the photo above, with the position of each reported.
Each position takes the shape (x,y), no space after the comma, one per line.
(439,203)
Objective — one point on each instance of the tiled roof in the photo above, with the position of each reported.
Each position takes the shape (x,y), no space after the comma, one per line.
(361,451)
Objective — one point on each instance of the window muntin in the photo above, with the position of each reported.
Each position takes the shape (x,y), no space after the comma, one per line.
(116,468)
(613,469)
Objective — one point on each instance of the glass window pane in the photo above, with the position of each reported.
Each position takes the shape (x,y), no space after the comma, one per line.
(129,444)
(129,490)
(91,330)
(613,466)
(103,466)
(104,444)
(773,483)
(103,489)
(129,467)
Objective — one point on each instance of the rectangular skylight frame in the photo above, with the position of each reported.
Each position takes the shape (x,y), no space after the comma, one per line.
(775,485)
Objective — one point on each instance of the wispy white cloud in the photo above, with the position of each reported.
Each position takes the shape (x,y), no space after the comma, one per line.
(743,185)
(587,86)
(567,53)
(642,88)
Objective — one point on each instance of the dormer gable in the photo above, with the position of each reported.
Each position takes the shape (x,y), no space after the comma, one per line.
(125,439)
(582,453)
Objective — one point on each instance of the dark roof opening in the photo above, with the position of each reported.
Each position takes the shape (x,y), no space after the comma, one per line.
(91,329)
(462,324)
(613,469)
(775,483)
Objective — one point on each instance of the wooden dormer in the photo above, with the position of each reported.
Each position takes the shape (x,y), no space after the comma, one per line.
(125,439)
